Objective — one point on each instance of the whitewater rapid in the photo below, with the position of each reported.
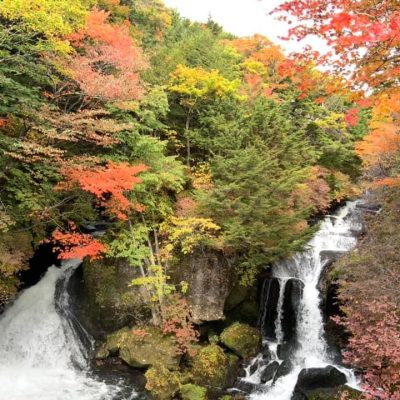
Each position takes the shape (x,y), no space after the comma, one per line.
(337,234)
(41,355)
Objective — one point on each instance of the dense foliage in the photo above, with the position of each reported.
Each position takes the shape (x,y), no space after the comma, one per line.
(176,134)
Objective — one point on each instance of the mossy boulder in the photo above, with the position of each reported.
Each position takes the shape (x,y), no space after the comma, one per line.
(193,392)
(161,382)
(210,367)
(146,348)
(105,300)
(242,339)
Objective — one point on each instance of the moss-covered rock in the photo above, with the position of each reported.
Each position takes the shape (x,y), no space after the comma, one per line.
(162,383)
(242,339)
(148,348)
(210,367)
(193,392)
(106,301)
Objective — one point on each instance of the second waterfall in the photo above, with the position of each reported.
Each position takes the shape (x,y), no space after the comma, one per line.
(291,319)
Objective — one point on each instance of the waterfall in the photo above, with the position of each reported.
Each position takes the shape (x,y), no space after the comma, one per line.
(41,355)
(278,321)
(337,234)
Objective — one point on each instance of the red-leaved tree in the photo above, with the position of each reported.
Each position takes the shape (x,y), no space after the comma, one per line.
(108,184)
(107,62)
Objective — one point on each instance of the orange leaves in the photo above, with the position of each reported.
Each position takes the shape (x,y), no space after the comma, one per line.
(108,185)
(76,245)
(4,122)
(395,181)
(379,145)
(108,62)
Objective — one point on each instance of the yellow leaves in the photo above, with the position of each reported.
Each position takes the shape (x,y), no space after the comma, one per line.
(187,233)
(386,108)
(199,83)
(254,67)
(202,177)
(51,17)
(332,121)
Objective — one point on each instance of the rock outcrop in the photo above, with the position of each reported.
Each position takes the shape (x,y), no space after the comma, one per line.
(144,349)
(210,277)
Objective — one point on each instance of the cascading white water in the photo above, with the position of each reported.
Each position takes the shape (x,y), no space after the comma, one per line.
(336,234)
(278,321)
(41,356)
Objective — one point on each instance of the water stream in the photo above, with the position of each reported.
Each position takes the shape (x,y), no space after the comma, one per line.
(41,355)
(337,234)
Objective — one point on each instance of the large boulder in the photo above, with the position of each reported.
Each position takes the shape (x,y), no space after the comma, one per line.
(162,383)
(210,277)
(104,300)
(211,367)
(292,297)
(242,339)
(141,348)
(316,378)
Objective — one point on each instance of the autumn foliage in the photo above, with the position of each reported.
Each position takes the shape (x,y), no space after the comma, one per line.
(108,184)
(362,34)
(107,62)
(177,320)
(73,244)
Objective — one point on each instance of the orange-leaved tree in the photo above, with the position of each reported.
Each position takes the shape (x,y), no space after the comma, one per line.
(107,63)
(108,184)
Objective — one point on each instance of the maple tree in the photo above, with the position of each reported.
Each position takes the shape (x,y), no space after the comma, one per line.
(107,62)
(73,244)
(362,34)
(108,185)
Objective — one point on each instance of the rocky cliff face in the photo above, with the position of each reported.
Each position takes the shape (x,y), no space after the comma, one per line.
(211,278)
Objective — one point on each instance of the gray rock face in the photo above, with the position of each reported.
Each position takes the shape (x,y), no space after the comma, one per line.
(211,278)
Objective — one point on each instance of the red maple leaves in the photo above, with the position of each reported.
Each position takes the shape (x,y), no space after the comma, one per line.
(108,185)
(74,244)
(107,62)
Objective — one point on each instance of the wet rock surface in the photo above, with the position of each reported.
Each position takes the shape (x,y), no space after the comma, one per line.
(269,371)
(316,378)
